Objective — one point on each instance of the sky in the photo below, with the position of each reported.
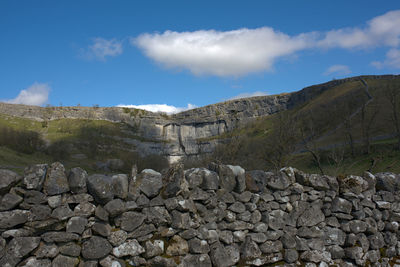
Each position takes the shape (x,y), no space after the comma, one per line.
(173,55)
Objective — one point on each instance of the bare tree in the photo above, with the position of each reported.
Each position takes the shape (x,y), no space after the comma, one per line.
(392,94)
(368,115)
(282,140)
(309,133)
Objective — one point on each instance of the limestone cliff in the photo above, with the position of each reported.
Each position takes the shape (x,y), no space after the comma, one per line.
(188,133)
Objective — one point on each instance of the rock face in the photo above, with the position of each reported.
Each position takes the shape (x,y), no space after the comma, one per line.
(198,217)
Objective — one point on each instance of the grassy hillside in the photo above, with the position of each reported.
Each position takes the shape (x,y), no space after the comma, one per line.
(348,128)
(74,142)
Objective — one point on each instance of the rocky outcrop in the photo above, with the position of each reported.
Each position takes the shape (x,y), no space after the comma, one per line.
(186,134)
(221,216)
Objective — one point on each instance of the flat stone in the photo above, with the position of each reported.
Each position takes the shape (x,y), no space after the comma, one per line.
(177,246)
(9,219)
(34,176)
(100,187)
(130,248)
(10,201)
(56,181)
(7,180)
(115,207)
(59,237)
(77,178)
(64,261)
(96,248)
(131,220)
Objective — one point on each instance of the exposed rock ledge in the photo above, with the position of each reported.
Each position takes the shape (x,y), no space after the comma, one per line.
(221,216)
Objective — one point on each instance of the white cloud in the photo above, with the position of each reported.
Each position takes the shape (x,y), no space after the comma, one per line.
(160,108)
(245,95)
(383,30)
(102,48)
(338,70)
(229,53)
(36,94)
(243,51)
(392,60)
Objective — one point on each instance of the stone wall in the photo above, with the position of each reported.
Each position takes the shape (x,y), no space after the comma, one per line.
(220,216)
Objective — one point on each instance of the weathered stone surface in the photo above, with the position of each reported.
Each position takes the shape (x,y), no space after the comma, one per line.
(7,180)
(115,207)
(9,219)
(177,246)
(154,248)
(149,182)
(40,212)
(59,237)
(10,201)
(250,249)
(278,182)
(46,250)
(290,255)
(56,181)
(202,260)
(162,261)
(70,249)
(34,176)
(129,248)
(34,262)
(19,247)
(62,213)
(311,217)
(131,220)
(96,248)
(77,178)
(224,256)
(256,181)
(65,261)
(116,238)
(198,246)
(387,181)
(120,185)
(341,205)
(100,187)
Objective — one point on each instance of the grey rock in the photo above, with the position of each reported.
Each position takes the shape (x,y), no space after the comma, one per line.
(224,256)
(337,252)
(237,207)
(34,197)
(101,213)
(357,226)
(118,237)
(315,256)
(353,184)
(159,261)
(56,181)
(77,178)
(277,219)
(10,201)
(120,185)
(46,250)
(376,241)
(40,212)
(159,216)
(290,255)
(9,219)
(249,249)
(54,201)
(62,213)
(59,237)
(175,182)
(95,248)
(278,182)
(131,220)
(129,248)
(100,187)
(202,260)
(19,247)
(341,205)
(34,262)
(149,182)
(34,176)
(269,247)
(84,209)
(70,249)
(154,248)
(7,180)
(356,254)
(256,181)
(180,220)
(288,241)
(198,246)
(387,181)
(101,229)
(334,236)
(65,261)
(115,207)
(311,217)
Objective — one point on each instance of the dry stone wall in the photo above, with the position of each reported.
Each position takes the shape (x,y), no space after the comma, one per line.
(221,216)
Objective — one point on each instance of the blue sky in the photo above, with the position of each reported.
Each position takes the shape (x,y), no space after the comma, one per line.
(187,52)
